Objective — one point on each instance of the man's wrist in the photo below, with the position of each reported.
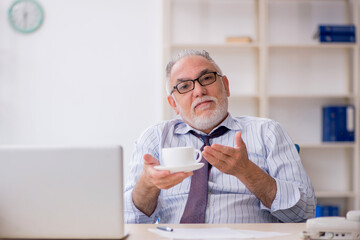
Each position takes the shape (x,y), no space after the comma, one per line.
(147,184)
(145,196)
(259,183)
(247,172)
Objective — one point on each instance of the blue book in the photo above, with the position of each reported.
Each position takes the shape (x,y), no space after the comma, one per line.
(319,211)
(330,211)
(350,124)
(337,29)
(329,124)
(337,38)
(338,123)
(336,33)
(334,211)
(326,210)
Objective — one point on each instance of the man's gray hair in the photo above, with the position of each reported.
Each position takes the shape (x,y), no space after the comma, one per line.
(186,53)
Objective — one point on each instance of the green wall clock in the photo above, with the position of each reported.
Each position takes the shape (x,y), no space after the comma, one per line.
(26,16)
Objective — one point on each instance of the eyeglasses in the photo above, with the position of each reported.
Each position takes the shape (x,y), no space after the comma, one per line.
(189,85)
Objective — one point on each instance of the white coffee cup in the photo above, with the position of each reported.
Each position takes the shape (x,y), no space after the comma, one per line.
(180,156)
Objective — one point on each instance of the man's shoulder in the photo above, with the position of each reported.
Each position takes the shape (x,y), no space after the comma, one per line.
(162,126)
(166,124)
(246,121)
(259,124)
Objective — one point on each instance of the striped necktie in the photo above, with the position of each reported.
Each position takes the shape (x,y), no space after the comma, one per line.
(197,200)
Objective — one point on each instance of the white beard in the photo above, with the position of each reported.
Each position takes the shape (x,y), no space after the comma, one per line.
(207,121)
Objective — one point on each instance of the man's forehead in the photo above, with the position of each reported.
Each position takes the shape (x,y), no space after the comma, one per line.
(190,66)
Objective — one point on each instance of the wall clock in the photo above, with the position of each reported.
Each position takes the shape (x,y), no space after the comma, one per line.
(25,16)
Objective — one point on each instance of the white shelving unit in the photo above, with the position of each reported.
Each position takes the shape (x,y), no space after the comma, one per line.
(283,74)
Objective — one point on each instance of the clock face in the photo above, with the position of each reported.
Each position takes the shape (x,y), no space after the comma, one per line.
(26,15)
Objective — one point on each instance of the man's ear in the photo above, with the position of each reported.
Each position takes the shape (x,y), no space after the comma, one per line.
(172,104)
(226,85)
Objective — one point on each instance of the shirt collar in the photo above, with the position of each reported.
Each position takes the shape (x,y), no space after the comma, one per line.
(183,128)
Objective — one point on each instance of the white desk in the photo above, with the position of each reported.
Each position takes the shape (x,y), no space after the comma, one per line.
(140,231)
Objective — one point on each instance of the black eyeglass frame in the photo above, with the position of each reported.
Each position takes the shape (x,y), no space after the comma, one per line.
(193,81)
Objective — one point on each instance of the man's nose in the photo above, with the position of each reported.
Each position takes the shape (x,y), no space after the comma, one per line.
(198,89)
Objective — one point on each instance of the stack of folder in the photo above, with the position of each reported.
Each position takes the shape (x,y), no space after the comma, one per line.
(326,210)
(336,33)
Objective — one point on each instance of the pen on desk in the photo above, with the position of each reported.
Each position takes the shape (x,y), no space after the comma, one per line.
(168,229)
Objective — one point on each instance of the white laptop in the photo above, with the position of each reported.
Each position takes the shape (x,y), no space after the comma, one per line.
(61,192)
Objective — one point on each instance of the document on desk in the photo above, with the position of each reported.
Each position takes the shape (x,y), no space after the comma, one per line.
(214,233)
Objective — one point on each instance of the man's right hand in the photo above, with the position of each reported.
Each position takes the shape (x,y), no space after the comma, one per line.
(161,179)
(151,181)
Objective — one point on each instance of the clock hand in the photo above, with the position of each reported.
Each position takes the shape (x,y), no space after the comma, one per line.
(25,17)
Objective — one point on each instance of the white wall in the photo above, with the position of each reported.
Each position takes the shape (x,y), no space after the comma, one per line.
(90,75)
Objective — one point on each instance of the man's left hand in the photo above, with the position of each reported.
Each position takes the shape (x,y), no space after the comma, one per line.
(235,161)
(229,160)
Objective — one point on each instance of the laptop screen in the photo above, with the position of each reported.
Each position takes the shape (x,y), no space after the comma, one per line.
(61,192)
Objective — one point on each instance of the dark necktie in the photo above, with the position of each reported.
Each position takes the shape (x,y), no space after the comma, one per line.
(197,200)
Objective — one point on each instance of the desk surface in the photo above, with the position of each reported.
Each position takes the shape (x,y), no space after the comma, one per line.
(140,231)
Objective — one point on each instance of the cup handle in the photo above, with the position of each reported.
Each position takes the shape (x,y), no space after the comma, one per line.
(199,156)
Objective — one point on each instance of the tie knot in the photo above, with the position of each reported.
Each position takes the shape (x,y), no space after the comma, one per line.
(206,138)
(219,132)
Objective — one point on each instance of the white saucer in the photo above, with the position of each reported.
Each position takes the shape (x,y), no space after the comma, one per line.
(187,168)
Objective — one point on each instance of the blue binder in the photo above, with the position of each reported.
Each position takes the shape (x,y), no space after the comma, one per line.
(338,123)
(337,29)
(337,33)
(337,38)
(326,210)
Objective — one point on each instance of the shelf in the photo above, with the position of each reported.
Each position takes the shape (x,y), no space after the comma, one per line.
(241,96)
(304,1)
(215,45)
(338,194)
(327,145)
(284,74)
(315,45)
(309,96)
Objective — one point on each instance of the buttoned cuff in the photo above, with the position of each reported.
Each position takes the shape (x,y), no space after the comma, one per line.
(287,196)
(134,215)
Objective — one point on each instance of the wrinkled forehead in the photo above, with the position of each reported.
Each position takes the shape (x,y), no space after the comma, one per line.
(190,67)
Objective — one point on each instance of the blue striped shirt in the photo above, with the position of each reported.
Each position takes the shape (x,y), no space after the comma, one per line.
(229,201)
